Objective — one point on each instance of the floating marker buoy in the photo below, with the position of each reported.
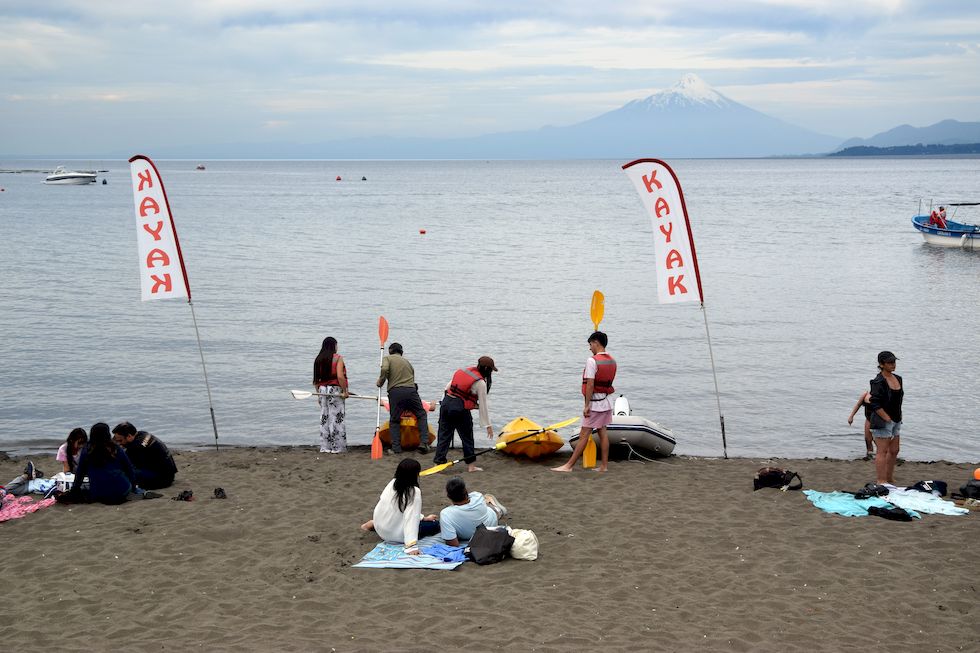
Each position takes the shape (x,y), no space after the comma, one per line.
(422,231)
(976,472)
(104,182)
(338,177)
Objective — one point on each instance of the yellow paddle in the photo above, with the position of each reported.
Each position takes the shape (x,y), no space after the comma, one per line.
(501,445)
(596,311)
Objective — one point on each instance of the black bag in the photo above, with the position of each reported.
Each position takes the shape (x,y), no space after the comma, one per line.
(930,487)
(971,490)
(488,546)
(776,477)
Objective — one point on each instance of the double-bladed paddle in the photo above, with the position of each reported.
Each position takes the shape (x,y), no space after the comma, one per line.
(303,394)
(523,435)
(596,311)
(376,448)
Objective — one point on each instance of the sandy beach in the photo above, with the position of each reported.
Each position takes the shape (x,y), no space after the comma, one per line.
(675,555)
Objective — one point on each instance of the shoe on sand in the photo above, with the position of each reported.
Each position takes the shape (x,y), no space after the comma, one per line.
(495,505)
(149,494)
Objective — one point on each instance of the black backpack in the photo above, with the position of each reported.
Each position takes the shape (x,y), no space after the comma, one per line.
(971,490)
(489,545)
(776,477)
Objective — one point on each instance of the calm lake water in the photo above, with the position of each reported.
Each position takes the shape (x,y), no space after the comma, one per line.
(810,267)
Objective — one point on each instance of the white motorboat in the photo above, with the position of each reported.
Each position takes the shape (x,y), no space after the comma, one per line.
(631,436)
(62,177)
(948,233)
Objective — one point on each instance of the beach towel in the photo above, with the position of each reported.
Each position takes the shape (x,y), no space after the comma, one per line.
(846,504)
(15,507)
(922,502)
(388,555)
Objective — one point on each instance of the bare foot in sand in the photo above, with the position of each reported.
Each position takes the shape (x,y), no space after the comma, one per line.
(563,468)
(368,525)
(474,468)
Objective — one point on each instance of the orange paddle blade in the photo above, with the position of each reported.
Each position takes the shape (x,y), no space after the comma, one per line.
(376,450)
(597,309)
(588,456)
(382,330)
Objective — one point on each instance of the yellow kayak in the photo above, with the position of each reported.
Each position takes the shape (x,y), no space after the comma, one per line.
(409,433)
(533,447)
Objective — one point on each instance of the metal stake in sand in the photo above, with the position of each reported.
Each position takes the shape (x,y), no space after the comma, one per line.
(673,245)
(162,271)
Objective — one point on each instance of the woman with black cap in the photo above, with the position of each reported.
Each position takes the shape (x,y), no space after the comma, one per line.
(467,390)
(887,392)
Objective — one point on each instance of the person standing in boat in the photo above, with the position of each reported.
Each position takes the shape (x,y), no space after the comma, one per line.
(597,385)
(403,394)
(467,390)
(887,393)
(330,381)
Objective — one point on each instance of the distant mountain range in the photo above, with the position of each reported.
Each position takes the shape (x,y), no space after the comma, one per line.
(947,132)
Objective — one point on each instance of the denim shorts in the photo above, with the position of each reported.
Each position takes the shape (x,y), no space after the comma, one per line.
(889,430)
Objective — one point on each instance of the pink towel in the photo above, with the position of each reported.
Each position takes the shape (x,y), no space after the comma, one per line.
(16,507)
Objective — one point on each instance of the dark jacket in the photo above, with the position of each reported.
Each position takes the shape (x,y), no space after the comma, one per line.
(109,482)
(884,397)
(151,455)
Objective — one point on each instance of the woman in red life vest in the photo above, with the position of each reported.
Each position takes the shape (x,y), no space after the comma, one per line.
(597,385)
(330,380)
(467,390)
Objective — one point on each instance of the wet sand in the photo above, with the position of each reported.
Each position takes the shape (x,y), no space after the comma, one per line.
(675,555)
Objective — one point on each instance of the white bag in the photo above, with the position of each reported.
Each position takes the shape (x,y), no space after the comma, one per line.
(525,545)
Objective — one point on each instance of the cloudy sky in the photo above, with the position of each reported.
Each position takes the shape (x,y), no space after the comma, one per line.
(96,76)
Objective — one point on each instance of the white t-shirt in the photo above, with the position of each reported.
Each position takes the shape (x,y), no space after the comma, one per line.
(62,456)
(394,525)
(598,405)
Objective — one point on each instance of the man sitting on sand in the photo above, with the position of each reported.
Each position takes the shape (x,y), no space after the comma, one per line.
(469,510)
(155,467)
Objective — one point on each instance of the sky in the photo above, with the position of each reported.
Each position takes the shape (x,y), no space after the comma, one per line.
(99,76)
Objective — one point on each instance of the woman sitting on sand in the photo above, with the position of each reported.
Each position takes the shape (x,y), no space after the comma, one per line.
(71,450)
(398,515)
(110,473)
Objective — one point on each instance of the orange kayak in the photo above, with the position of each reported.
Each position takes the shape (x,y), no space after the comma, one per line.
(409,433)
(533,447)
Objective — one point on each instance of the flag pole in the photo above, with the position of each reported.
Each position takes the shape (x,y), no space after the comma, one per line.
(214,424)
(714,374)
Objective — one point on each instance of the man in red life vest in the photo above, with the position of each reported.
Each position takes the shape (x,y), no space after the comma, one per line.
(597,385)
(938,219)
(467,390)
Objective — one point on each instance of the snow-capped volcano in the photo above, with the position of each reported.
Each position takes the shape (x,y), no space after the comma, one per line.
(691,90)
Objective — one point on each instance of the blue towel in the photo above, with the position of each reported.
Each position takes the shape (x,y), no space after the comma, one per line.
(392,556)
(446,553)
(842,503)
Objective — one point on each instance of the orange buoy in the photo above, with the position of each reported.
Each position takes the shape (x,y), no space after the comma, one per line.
(338,177)
(422,231)
(976,473)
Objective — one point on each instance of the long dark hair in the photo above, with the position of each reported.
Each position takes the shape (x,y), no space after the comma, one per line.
(100,447)
(406,480)
(76,436)
(324,360)
(487,373)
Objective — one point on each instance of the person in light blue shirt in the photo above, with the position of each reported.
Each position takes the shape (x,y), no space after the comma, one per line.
(469,510)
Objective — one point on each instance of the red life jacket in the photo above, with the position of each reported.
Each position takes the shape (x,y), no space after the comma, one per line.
(604,374)
(332,379)
(462,386)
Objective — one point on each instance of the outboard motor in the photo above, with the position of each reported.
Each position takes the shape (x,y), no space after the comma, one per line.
(622,406)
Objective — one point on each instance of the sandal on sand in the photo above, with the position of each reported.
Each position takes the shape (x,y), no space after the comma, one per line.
(186,495)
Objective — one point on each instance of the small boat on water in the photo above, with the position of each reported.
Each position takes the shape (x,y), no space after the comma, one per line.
(954,234)
(62,177)
(631,436)
(532,447)
(200,166)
